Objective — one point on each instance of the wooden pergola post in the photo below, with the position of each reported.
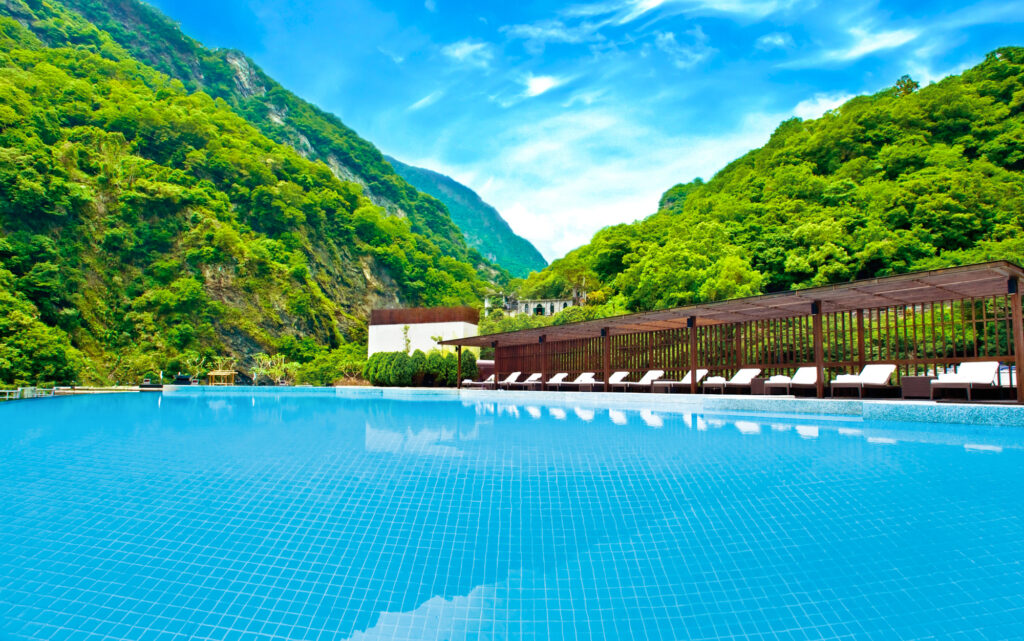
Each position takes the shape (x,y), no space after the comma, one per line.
(861,356)
(819,348)
(458,368)
(543,361)
(497,369)
(739,346)
(691,323)
(606,340)
(1018,334)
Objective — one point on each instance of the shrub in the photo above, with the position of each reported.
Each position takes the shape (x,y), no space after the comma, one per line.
(451,371)
(330,367)
(435,368)
(469,369)
(400,372)
(392,369)
(419,367)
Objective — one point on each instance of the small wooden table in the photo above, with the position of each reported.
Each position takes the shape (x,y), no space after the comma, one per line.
(916,386)
(757,385)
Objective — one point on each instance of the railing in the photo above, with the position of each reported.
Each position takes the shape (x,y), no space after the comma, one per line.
(25,392)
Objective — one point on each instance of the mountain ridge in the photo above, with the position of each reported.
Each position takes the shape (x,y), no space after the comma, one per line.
(146,34)
(147,227)
(908,178)
(483,226)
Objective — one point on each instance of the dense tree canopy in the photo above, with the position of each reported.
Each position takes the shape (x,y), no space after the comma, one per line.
(902,180)
(132,29)
(140,222)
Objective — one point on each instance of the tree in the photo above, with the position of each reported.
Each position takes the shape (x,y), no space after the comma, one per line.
(906,86)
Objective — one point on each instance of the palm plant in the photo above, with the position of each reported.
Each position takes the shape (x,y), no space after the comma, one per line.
(195,365)
(225,363)
(261,367)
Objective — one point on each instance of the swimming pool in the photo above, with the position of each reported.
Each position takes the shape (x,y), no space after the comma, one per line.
(304,516)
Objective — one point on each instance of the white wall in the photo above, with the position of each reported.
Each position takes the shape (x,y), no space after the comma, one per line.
(391,338)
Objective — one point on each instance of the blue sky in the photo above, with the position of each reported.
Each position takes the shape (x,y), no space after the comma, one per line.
(571,116)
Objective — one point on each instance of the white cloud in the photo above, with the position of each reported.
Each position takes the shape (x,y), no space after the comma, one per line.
(537,85)
(430,5)
(816,106)
(984,13)
(866,42)
(926,74)
(560,179)
(426,101)
(776,40)
(688,55)
(538,34)
(862,43)
(395,58)
(624,11)
(469,52)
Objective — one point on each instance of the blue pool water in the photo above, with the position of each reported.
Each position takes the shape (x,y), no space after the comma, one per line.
(311,517)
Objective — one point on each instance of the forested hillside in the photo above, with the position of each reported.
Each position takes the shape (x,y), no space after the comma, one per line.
(903,180)
(143,225)
(484,228)
(146,35)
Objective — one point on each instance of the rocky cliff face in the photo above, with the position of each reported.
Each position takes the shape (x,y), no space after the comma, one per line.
(149,36)
(143,223)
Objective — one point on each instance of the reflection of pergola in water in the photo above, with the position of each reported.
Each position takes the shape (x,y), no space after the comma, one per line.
(921,322)
(221,377)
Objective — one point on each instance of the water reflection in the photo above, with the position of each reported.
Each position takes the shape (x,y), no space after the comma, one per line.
(584,414)
(617,417)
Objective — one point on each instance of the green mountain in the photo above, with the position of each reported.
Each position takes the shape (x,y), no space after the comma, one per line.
(484,228)
(145,224)
(146,35)
(902,180)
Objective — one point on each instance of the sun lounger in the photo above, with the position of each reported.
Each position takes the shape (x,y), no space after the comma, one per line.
(531,380)
(584,379)
(484,384)
(511,378)
(874,376)
(740,381)
(617,378)
(969,377)
(682,385)
(804,378)
(643,385)
(553,382)
(1007,376)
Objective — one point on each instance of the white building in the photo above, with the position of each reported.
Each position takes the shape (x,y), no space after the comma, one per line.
(532,307)
(407,330)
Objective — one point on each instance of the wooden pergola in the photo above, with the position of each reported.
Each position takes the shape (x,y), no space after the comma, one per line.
(921,321)
(221,377)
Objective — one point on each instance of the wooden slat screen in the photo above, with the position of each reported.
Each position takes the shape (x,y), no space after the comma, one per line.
(917,338)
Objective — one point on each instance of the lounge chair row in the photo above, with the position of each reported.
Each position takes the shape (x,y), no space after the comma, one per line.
(968,376)
(586,381)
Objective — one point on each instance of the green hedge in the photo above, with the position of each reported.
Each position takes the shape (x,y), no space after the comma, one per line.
(436,369)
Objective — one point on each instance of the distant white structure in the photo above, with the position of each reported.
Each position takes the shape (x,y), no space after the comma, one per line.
(532,307)
(391,328)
